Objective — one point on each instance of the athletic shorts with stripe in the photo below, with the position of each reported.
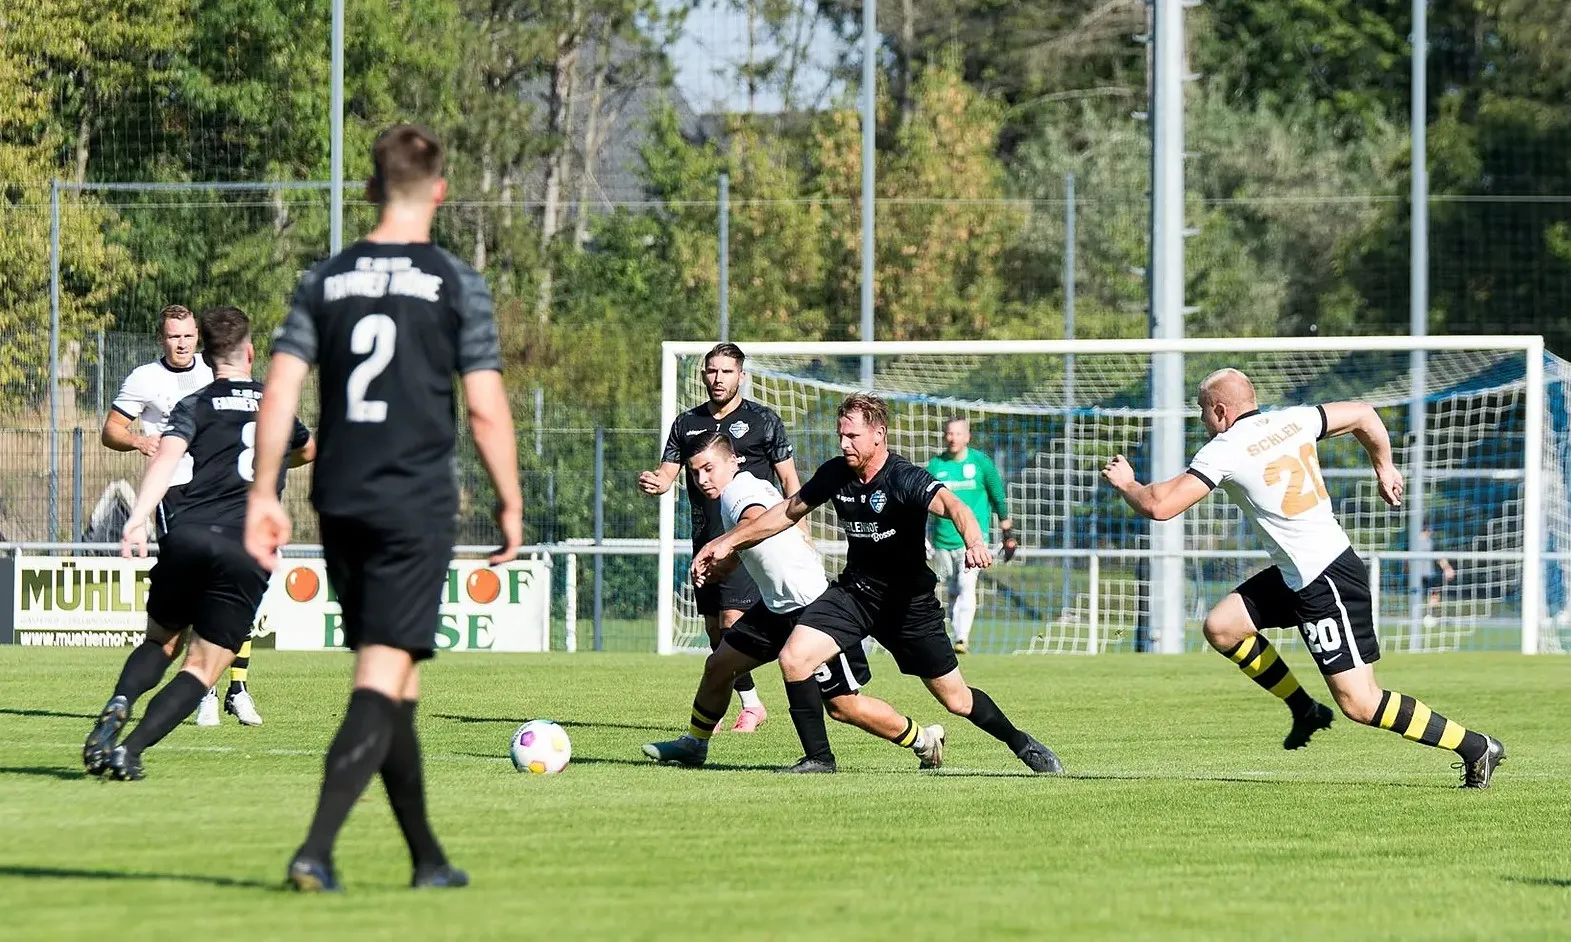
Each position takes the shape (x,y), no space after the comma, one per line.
(761,634)
(1332,612)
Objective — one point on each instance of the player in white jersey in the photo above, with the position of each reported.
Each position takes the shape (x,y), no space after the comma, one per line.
(136,422)
(789,574)
(1267,464)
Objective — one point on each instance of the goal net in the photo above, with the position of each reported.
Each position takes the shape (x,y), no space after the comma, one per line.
(1476,558)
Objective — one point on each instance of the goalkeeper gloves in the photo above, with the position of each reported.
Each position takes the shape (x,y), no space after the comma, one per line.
(1010,545)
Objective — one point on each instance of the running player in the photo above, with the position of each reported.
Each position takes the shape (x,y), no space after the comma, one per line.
(886,590)
(389,322)
(974,479)
(764,450)
(137,418)
(204,585)
(790,574)
(1266,462)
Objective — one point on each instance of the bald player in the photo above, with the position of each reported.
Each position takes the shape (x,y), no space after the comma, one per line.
(1266,463)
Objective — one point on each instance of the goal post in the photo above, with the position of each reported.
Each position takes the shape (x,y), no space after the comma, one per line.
(1494,473)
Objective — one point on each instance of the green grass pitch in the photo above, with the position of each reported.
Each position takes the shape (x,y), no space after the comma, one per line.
(1182,817)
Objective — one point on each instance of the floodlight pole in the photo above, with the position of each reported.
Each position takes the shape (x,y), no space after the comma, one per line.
(1166,582)
(1418,316)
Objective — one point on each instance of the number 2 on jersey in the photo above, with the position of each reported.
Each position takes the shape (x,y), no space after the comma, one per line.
(376,334)
(1298,497)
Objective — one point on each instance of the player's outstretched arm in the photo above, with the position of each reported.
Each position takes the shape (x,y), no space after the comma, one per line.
(946,504)
(1362,421)
(118,435)
(266,523)
(491,423)
(717,555)
(1163,500)
(155,484)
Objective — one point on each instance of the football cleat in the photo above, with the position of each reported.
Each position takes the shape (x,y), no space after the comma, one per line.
(101,741)
(1039,758)
(684,750)
(1479,772)
(446,876)
(749,719)
(243,707)
(125,766)
(207,710)
(312,876)
(1317,718)
(932,751)
(806,766)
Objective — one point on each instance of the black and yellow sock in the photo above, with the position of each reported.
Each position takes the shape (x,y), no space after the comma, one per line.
(1416,721)
(909,736)
(240,668)
(702,725)
(1260,663)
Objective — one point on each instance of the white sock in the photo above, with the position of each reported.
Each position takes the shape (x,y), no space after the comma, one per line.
(750,698)
(919,742)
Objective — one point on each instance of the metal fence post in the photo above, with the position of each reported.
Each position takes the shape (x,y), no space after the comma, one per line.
(100,383)
(725,257)
(599,538)
(77,437)
(54,359)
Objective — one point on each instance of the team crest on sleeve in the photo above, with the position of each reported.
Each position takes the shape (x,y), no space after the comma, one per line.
(738,428)
(877,502)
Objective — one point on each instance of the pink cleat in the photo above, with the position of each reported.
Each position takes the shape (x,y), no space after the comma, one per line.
(750,719)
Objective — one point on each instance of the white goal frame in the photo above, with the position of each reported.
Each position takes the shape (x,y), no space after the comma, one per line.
(1531,346)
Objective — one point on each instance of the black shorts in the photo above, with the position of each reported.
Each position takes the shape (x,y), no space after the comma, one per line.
(206,580)
(911,628)
(735,593)
(1332,612)
(388,581)
(761,634)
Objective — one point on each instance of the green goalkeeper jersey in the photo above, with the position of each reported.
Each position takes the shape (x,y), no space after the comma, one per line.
(974,479)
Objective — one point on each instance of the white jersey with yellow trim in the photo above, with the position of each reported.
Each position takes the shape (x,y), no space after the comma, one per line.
(1268,466)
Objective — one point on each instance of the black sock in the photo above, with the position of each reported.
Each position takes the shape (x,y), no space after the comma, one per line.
(168,709)
(807,715)
(404,778)
(143,669)
(357,752)
(992,721)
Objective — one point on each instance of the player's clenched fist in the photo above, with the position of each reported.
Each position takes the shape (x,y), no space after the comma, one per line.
(978,556)
(1390,484)
(1118,472)
(650,482)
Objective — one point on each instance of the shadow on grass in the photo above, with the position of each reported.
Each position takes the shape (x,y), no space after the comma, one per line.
(63,774)
(1558,883)
(644,763)
(53,714)
(72,873)
(568,725)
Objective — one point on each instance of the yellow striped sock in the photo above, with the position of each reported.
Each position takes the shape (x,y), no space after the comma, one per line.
(241,667)
(1414,720)
(1260,663)
(906,738)
(702,726)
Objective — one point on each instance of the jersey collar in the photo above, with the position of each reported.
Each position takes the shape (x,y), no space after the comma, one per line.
(164,361)
(1247,415)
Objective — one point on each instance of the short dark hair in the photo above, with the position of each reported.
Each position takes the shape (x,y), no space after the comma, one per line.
(405,156)
(223,330)
(956,418)
(719,441)
(726,350)
(174,312)
(874,411)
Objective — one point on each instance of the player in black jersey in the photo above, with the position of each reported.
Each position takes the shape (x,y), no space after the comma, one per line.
(762,449)
(204,581)
(389,322)
(886,590)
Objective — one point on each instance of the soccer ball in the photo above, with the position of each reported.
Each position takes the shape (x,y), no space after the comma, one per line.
(541,747)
